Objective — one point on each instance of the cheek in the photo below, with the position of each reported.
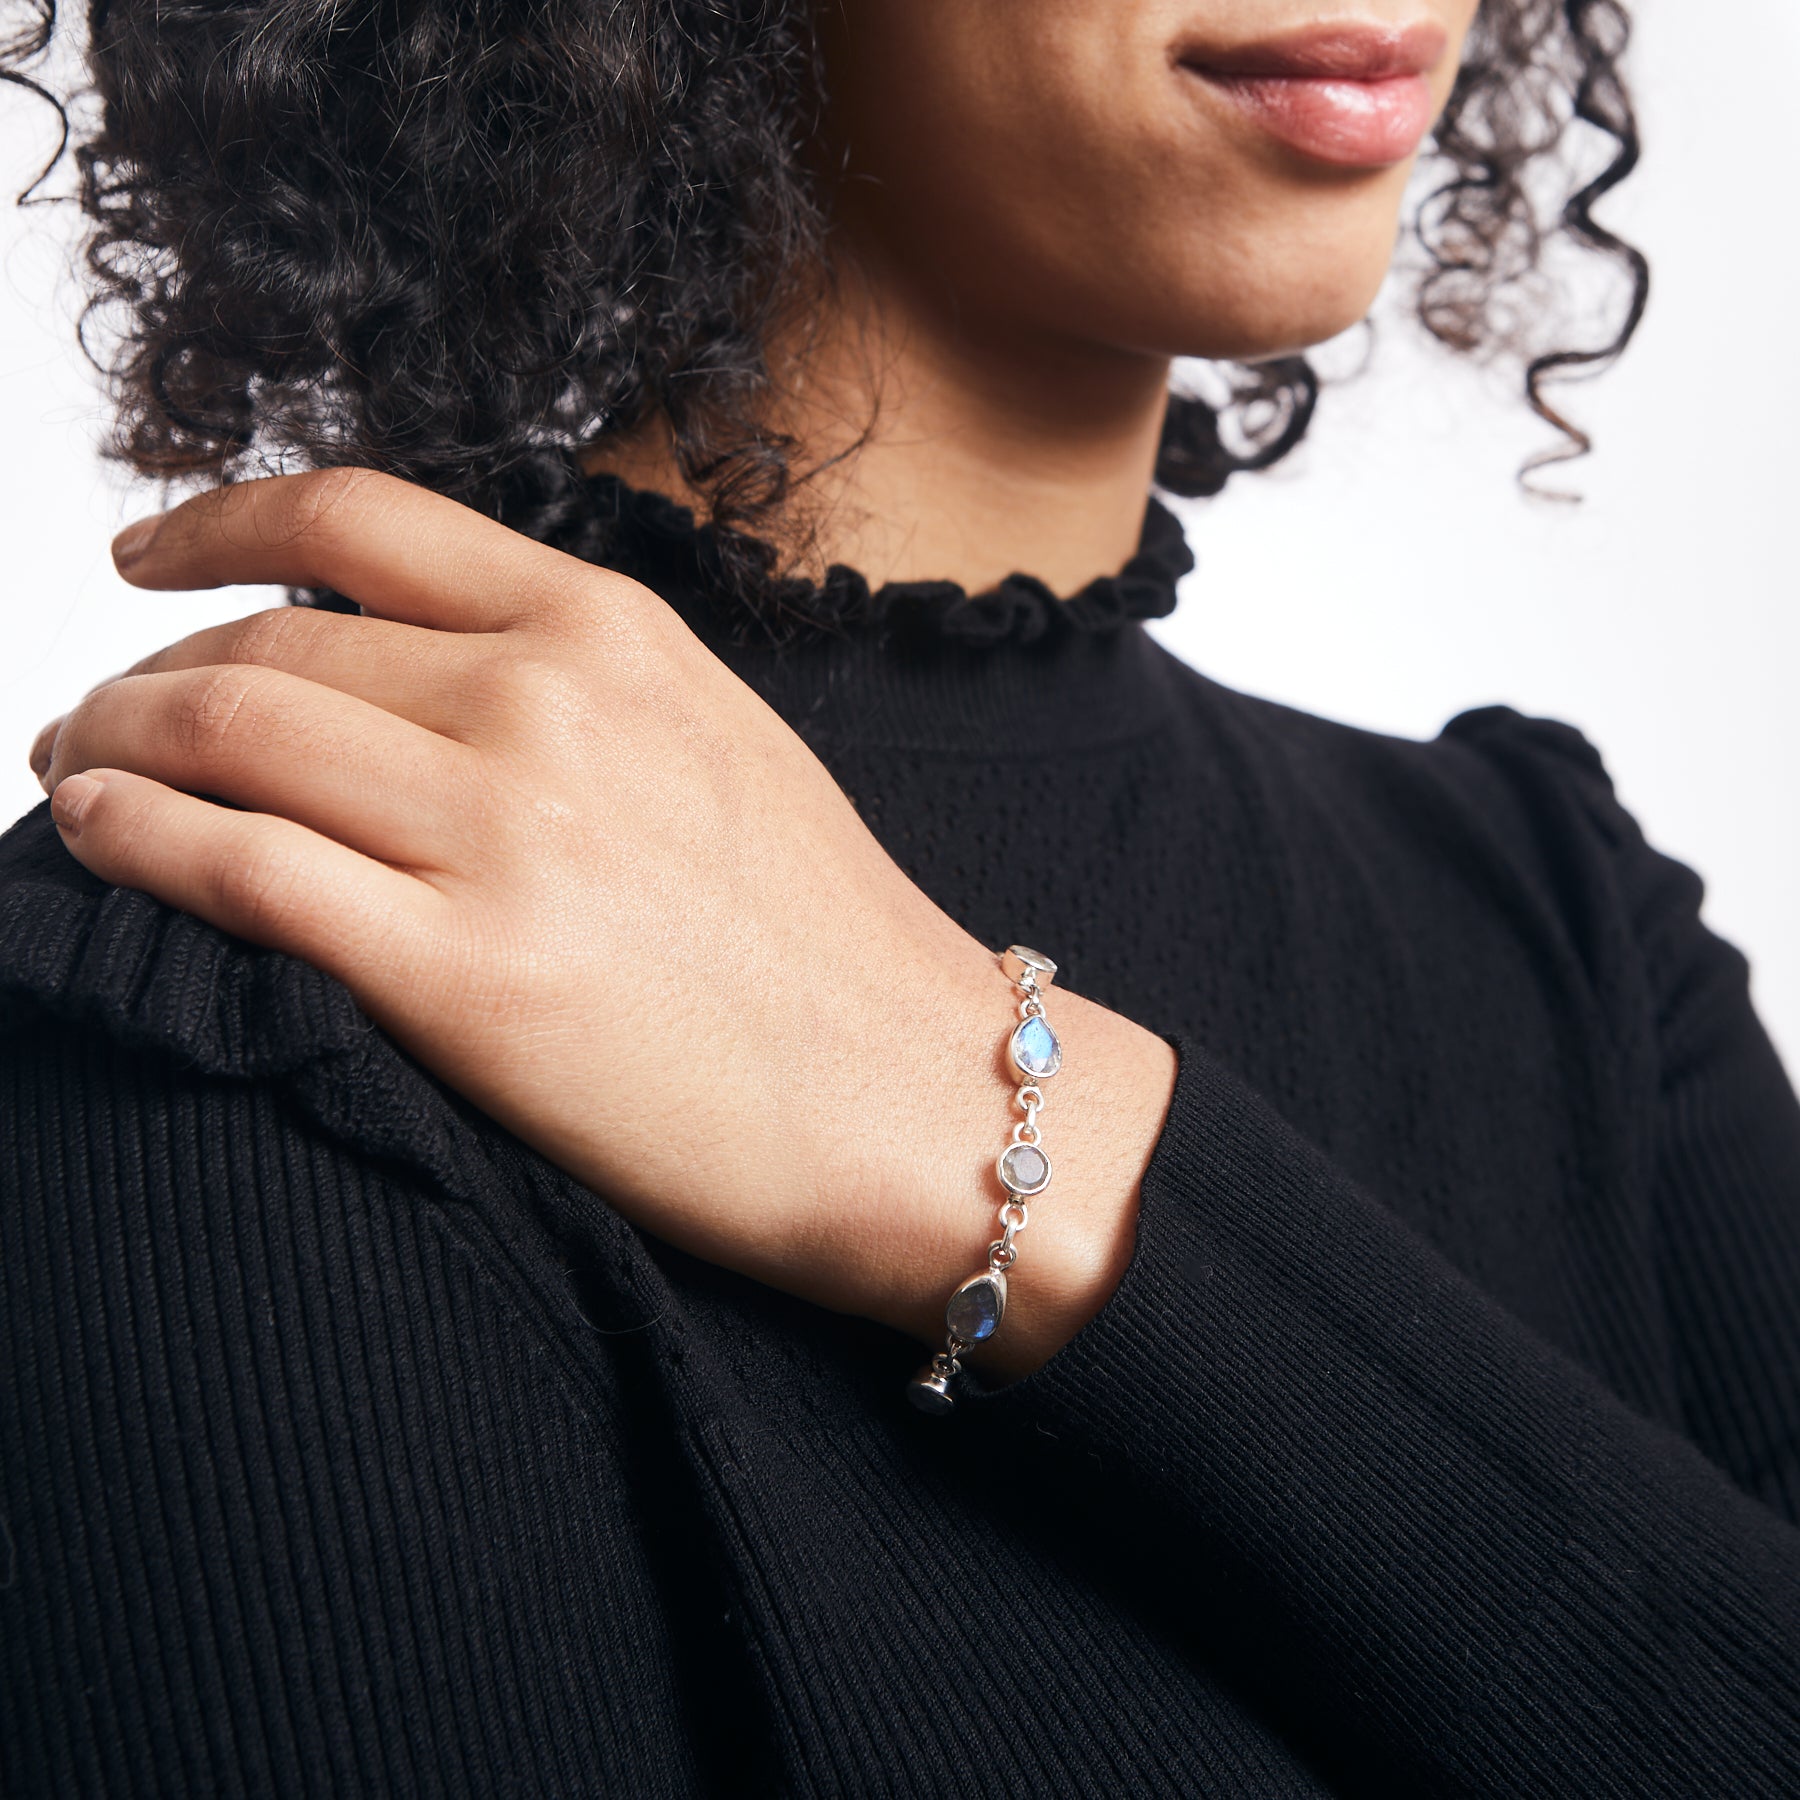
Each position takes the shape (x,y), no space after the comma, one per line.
(1161,242)
(995,143)
(1063,178)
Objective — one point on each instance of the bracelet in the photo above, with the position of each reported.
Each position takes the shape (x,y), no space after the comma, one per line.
(977,1306)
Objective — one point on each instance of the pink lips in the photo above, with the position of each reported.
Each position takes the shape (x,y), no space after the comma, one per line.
(1351,94)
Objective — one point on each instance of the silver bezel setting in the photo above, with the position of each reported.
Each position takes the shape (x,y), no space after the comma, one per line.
(1012,1048)
(1017,958)
(995,1278)
(1012,1186)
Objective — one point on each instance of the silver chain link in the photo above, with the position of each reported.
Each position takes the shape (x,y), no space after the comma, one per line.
(930,1385)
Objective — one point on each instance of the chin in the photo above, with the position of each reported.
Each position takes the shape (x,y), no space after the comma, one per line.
(1275,311)
(1265,335)
(1240,332)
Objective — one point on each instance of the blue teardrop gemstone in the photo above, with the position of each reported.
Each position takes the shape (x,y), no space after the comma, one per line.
(1035,1051)
(975,1308)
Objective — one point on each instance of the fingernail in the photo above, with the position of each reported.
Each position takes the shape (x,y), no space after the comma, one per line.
(70,804)
(134,540)
(43,747)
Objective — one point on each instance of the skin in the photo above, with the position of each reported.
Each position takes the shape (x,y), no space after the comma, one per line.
(570,862)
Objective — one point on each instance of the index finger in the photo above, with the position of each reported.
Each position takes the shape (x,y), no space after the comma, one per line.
(398,550)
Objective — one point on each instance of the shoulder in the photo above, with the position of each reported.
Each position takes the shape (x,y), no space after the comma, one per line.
(161,1080)
(1537,789)
(1553,771)
(1520,810)
(114,981)
(121,964)
(1631,910)
(1521,774)
(1579,829)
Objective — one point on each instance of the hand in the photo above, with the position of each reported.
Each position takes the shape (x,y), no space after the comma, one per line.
(586,876)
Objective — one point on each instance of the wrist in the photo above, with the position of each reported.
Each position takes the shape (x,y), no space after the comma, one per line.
(1105,1113)
(936,1196)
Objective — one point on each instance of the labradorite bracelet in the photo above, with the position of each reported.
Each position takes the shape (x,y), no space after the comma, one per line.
(978,1304)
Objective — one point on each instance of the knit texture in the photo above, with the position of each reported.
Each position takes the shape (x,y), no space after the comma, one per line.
(1442,1438)
(648,534)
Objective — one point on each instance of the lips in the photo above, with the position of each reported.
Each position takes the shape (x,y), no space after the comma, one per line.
(1350,52)
(1353,95)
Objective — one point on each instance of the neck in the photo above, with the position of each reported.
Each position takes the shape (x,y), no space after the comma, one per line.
(937,445)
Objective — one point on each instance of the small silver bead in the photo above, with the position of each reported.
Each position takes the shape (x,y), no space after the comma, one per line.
(930,1392)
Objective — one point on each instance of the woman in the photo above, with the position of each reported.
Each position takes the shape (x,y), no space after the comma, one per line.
(501,1087)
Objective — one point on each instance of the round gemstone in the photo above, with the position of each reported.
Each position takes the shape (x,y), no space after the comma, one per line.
(1035,1051)
(1024,1168)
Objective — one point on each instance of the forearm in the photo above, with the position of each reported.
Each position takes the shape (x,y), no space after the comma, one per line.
(1476,1557)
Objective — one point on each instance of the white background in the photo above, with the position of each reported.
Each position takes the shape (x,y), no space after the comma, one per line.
(1390,573)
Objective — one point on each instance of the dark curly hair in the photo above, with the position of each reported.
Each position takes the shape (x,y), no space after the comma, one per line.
(460,241)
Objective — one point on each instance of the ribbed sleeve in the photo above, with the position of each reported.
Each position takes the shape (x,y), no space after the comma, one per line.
(275,1447)
(1475,1557)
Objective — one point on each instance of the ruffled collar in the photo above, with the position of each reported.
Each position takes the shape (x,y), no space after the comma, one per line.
(657,540)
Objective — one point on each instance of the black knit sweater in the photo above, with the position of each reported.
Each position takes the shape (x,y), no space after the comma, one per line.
(1442,1438)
